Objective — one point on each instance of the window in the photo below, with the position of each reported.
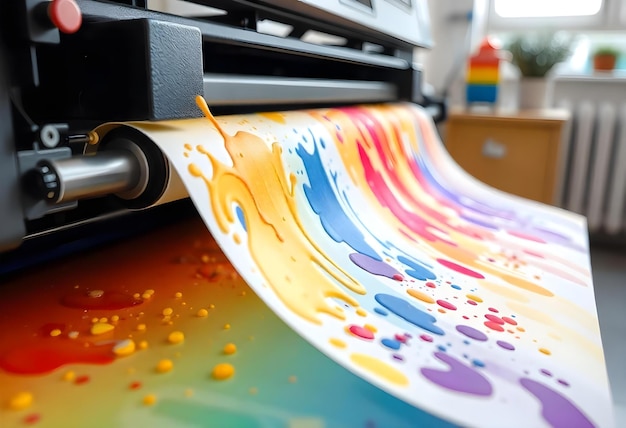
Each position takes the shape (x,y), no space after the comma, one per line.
(572,15)
(546,8)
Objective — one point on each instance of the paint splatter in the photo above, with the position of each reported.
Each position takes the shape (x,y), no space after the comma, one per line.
(380,369)
(391,343)
(446,304)
(373,266)
(557,410)
(322,199)
(505,345)
(471,332)
(361,332)
(460,269)
(416,270)
(408,312)
(459,377)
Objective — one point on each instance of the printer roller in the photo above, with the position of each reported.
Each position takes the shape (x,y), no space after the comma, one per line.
(126,164)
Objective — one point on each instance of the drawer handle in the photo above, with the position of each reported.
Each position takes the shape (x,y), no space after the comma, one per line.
(494,150)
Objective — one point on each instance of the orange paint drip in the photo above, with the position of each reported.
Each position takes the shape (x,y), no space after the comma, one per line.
(420,295)
(258,184)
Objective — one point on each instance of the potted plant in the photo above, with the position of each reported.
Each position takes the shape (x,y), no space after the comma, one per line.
(604,58)
(535,55)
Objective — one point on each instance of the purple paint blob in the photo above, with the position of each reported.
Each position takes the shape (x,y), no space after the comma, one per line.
(471,332)
(546,372)
(505,345)
(459,378)
(563,382)
(373,266)
(556,409)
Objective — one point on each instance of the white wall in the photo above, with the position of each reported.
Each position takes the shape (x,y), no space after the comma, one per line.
(454,36)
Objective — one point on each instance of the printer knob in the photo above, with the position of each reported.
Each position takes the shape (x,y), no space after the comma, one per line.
(65,15)
(43,182)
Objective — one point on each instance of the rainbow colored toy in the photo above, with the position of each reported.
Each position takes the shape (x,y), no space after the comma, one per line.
(483,74)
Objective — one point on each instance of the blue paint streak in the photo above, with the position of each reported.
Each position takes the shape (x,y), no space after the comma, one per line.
(324,203)
(391,344)
(408,312)
(381,311)
(456,287)
(416,271)
(241,217)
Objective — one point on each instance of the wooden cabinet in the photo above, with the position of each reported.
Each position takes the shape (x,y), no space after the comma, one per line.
(515,152)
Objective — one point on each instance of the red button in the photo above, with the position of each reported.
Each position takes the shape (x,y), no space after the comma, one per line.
(65,15)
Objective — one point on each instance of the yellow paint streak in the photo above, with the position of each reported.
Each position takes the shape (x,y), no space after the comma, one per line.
(534,314)
(505,291)
(474,298)
(258,184)
(337,343)
(420,295)
(380,368)
(274,117)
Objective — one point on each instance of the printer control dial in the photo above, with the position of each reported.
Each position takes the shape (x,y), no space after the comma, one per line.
(43,182)
(62,14)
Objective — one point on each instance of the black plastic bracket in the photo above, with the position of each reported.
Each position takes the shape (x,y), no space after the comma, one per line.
(139,69)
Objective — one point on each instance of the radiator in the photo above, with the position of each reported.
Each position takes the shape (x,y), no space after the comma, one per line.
(593,173)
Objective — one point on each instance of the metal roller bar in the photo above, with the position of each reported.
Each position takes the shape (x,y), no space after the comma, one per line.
(237,36)
(228,89)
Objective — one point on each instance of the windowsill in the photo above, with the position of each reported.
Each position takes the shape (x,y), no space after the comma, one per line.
(608,77)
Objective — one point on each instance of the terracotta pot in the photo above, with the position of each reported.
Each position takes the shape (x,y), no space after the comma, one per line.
(604,62)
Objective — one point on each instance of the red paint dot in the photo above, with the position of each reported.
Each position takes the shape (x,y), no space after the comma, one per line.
(135,385)
(431,285)
(426,338)
(509,320)
(465,317)
(361,332)
(471,302)
(494,310)
(492,325)
(446,304)
(80,380)
(33,418)
(494,318)
(400,338)
(398,277)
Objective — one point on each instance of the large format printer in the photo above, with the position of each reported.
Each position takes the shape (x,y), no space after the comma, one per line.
(70,65)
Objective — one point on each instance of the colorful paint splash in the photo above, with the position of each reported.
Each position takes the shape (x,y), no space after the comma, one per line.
(356,228)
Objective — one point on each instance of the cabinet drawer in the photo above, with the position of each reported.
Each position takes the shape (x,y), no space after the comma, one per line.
(518,159)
